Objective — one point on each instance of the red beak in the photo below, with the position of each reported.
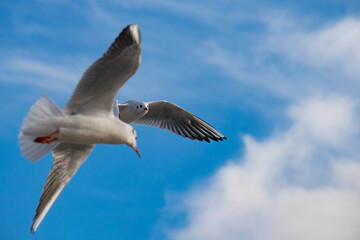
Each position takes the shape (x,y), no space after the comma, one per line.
(146,108)
(137,151)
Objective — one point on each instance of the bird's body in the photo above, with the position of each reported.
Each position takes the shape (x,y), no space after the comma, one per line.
(92,130)
(81,128)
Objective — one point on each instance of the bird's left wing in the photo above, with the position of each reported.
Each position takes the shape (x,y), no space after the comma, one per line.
(67,159)
(167,115)
(100,83)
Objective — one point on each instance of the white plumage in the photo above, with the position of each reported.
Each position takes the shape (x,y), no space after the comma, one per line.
(88,118)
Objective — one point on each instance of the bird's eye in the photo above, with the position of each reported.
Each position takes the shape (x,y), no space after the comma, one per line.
(137,106)
(141,106)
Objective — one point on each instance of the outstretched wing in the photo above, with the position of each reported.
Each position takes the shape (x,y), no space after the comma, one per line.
(67,159)
(167,115)
(100,83)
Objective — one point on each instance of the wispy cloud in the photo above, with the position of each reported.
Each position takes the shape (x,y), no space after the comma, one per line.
(212,13)
(291,61)
(37,73)
(333,46)
(301,183)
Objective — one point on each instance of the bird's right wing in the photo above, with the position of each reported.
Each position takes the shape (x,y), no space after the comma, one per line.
(67,159)
(100,83)
(167,115)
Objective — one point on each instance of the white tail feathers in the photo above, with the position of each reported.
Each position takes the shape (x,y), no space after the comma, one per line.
(34,125)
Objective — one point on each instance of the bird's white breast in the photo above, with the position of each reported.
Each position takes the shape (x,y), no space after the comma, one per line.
(92,130)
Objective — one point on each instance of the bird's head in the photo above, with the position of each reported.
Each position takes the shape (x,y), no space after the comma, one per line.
(141,106)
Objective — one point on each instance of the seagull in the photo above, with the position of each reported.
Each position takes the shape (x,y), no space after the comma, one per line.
(167,115)
(88,119)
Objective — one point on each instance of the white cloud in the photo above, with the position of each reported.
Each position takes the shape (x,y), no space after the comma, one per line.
(331,121)
(301,183)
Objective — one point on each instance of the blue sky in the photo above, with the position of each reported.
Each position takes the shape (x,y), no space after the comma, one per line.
(280,79)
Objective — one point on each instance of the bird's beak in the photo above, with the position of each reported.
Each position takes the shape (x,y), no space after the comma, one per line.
(137,151)
(145,108)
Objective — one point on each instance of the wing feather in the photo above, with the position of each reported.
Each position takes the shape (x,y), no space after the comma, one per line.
(167,115)
(67,159)
(100,83)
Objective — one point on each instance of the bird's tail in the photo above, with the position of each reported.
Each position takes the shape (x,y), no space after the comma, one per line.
(36,124)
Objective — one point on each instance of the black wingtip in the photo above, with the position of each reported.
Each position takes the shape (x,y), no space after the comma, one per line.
(129,35)
(132,31)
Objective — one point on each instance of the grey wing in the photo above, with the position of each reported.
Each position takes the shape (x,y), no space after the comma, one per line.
(167,115)
(100,83)
(67,159)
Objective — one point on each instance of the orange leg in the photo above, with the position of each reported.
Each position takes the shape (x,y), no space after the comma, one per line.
(47,139)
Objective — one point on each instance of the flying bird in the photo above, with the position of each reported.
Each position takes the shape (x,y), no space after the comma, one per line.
(167,115)
(88,118)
